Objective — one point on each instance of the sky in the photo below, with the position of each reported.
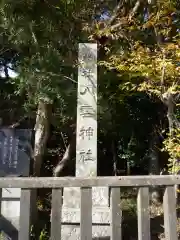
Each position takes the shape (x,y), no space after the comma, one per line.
(12,74)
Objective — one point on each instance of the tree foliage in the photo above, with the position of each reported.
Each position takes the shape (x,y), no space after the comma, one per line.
(138,78)
(142,47)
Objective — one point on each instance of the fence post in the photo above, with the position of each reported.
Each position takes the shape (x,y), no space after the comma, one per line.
(86,213)
(56,214)
(170,219)
(116,214)
(143,214)
(0,199)
(25,215)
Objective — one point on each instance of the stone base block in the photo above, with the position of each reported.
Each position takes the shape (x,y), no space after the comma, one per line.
(100,223)
(100,215)
(72,232)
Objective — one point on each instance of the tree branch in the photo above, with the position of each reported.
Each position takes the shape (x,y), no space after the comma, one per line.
(131,15)
(58,75)
(177,97)
(68,156)
(115,12)
(163,71)
(17,124)
(135,8)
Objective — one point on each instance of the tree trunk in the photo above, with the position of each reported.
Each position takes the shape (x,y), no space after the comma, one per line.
(172,121)
(154,167)
(42,125)
(67,160)
(169,101)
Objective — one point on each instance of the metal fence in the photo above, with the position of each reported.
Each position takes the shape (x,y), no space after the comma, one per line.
(116,184)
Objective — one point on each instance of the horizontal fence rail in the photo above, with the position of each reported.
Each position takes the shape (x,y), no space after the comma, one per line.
(57,184)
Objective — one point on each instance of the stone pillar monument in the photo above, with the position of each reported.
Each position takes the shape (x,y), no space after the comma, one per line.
(86,152)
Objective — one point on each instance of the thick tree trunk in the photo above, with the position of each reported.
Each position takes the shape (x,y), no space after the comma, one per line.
(42,125)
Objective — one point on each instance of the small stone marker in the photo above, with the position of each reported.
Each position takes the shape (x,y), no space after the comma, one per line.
(15,156)
(15,152)
(86,152)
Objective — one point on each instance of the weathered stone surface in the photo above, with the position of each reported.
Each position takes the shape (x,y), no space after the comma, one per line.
(86,140)
(10,205)
(100,222)
(73,232)
(86,153)
(15,152)
(71,197)
(99,215)
(15,156)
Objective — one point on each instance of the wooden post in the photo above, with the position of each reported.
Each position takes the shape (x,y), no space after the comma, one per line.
(86,214)
(116,214)
(170,219)
(56,214)
(143,214)
(0,202)
(0,199)
(25,215)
